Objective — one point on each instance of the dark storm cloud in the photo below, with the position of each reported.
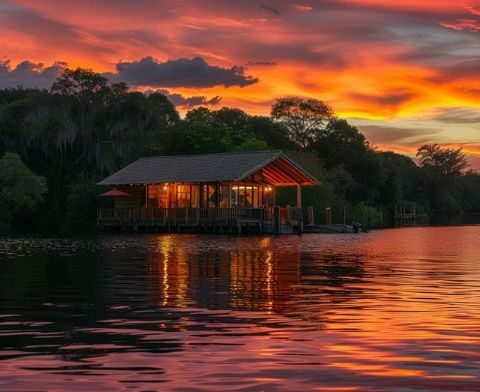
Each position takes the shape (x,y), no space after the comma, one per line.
(184,72)
(194,72)
(29,75)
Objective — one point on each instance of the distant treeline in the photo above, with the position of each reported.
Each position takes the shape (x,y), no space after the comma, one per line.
(55,145)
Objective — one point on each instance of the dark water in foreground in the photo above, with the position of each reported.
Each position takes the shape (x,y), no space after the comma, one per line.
(393,310)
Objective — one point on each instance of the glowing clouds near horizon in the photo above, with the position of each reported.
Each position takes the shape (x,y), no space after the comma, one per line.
(395,65)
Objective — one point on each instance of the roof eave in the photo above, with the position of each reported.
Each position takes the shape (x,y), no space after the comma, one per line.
(258,167)
(315,181)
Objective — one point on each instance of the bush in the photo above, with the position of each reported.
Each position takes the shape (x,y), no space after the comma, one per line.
(20,189)
(81,205)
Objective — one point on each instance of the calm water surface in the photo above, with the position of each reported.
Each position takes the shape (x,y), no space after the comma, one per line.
(393,310)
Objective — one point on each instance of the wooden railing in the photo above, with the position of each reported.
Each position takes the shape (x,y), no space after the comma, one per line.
(193,216)
(291,215)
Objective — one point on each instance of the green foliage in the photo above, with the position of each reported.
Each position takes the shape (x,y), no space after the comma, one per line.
(235,118)
(204,131)
(367,215)
(320,196)
(252,144)
(198,138)
(302,117)
(20,189)
(272,133)
(85,84)
(449,161)
(470,189)
(82,204)
(342,145)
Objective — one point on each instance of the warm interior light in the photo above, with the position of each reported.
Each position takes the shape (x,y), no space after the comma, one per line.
(269,188)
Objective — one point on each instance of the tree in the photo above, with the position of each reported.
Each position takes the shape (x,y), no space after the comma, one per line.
(340,143)
(85,83)
(20,188)
(272,133)
(233,117)
(200,114)
(252,144)
(82,204)
(403,180)
(449,161)
(470,186)
(198,137)
(302,117)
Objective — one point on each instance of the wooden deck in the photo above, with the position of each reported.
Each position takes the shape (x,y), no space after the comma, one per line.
(224,220)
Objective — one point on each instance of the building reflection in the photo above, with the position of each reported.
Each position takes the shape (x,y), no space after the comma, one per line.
(242,277)
(249,274)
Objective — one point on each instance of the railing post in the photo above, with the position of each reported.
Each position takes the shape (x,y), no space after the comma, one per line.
(310,216)
(300,221)
(299,196)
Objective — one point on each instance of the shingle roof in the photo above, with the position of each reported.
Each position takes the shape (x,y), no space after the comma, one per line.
(199,168)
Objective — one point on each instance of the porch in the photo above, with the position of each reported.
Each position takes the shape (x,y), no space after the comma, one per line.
(215,220)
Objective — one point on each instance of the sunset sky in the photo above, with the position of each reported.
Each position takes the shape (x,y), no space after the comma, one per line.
(405,72)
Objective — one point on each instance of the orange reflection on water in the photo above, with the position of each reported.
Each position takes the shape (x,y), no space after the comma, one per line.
(382,311)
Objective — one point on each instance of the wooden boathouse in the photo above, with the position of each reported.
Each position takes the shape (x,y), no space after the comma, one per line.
(227,192)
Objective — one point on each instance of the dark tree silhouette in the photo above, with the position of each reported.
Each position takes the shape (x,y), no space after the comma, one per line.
(302,117)
(449,161)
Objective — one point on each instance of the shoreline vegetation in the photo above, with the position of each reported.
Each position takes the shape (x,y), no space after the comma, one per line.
(56,144)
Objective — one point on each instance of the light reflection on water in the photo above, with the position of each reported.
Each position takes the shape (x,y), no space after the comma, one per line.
(389,310)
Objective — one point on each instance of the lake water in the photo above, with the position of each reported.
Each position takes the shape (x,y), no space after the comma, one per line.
(392,310)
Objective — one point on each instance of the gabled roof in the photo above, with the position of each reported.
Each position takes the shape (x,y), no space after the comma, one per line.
(271,167)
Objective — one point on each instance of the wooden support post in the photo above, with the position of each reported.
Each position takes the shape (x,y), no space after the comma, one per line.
(328,214)
(299,196)
(277,219)
(300,226)
(310,216)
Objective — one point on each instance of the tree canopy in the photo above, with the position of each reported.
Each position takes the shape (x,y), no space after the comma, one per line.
(302,117)
(449,161)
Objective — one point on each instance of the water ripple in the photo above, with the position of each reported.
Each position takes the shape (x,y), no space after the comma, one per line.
(394,310)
